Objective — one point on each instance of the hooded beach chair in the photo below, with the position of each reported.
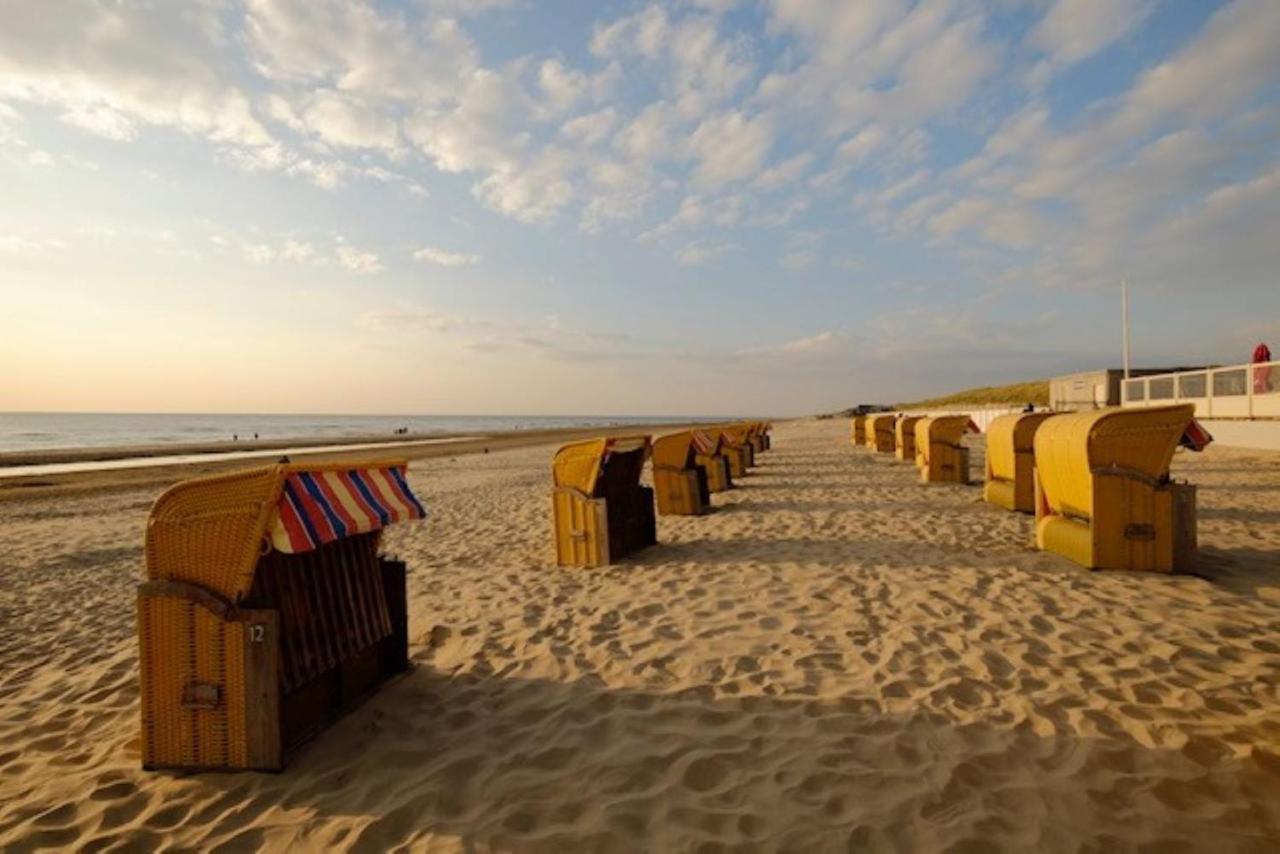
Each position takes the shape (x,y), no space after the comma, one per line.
(709,457)
(1104,498)
(1011,461)
(737,436)
(904,437)
(766,434)
(760,436)
(939,455)
(268,610)
(858,431)
(880,435)
(601,513)
(681,485)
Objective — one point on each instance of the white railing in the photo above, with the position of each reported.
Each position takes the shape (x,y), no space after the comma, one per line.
(982,415)
(1234,391)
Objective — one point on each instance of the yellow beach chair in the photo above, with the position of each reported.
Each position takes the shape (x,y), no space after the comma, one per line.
(737,436)
(1104,498)
(1011,461)
(600,511)
(680,483)
(267,610)
(735,455)
(904,437)
(710,458)
(939,455)
(858,431)
(880,435)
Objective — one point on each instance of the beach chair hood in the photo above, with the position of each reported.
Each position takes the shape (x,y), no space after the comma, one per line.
(1008,436)
(706,443)
(578,465)
(1071,448)
(212,531)
(674,451)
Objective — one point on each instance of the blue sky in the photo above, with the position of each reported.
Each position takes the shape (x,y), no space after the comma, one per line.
(705,206)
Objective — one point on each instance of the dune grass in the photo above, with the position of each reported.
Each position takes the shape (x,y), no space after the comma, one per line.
(1036,392)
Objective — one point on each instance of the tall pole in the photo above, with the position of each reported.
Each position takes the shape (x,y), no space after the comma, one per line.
(1124,320)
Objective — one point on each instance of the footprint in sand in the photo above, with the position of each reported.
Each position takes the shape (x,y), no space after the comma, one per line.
(707,773)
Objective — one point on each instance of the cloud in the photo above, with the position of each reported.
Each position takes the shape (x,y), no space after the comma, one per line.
(298,251)
(483,131)
(533,192)
(362,263)
(102,120)
(17,244)
(798,260)
(560,87)
(823,341)
(362,50)
(591,128)
(112,68)
(702,69)
(786,173)
(444,258)
(1073,30)
(730,147)
(410,319)
(880,60)
(693,254)
(259,253)
(342,120)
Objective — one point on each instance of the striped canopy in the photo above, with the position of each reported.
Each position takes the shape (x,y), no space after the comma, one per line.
(1195,437)
(318,507)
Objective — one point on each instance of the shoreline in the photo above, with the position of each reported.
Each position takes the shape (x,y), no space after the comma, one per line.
(164,471)
(159,456)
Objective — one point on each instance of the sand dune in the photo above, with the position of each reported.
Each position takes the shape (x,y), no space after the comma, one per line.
(837,659)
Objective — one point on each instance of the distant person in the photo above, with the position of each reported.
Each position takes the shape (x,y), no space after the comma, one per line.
(1030,407)
(255,437)
(1262,373)
(235,437)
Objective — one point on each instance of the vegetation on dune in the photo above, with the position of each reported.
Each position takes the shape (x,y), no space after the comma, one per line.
(1036,392)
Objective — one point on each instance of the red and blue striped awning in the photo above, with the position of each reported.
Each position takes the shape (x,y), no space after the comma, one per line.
(1195,437)
(321,506)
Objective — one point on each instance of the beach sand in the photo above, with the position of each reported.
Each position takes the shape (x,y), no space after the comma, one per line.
(837,659)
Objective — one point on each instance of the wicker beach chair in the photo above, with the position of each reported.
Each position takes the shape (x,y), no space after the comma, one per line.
(681,485)
(858,431)
(710,458)
(1103,494)
(267,610)
(939,455)
(601,513)
(736,438)
(904,438)
(766,434)
(758,436)
(1011,461)
(880,433)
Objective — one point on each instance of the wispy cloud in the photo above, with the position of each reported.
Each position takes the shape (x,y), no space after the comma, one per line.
(363,263)
(444,258)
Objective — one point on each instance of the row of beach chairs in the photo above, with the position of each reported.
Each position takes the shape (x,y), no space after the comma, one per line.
(600,510)
(269,610)
(1098,482)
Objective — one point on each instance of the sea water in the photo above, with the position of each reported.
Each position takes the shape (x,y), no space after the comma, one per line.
(37,431)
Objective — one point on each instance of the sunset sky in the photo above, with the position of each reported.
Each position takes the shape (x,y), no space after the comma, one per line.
(698,207)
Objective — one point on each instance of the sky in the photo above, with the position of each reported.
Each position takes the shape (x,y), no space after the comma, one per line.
(667,208)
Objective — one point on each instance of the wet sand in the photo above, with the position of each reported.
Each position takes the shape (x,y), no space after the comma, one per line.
(837,659)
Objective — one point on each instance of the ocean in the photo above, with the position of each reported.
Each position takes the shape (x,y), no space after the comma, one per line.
(37,431)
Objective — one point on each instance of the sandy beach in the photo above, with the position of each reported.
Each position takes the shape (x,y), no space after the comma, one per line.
(838,658)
